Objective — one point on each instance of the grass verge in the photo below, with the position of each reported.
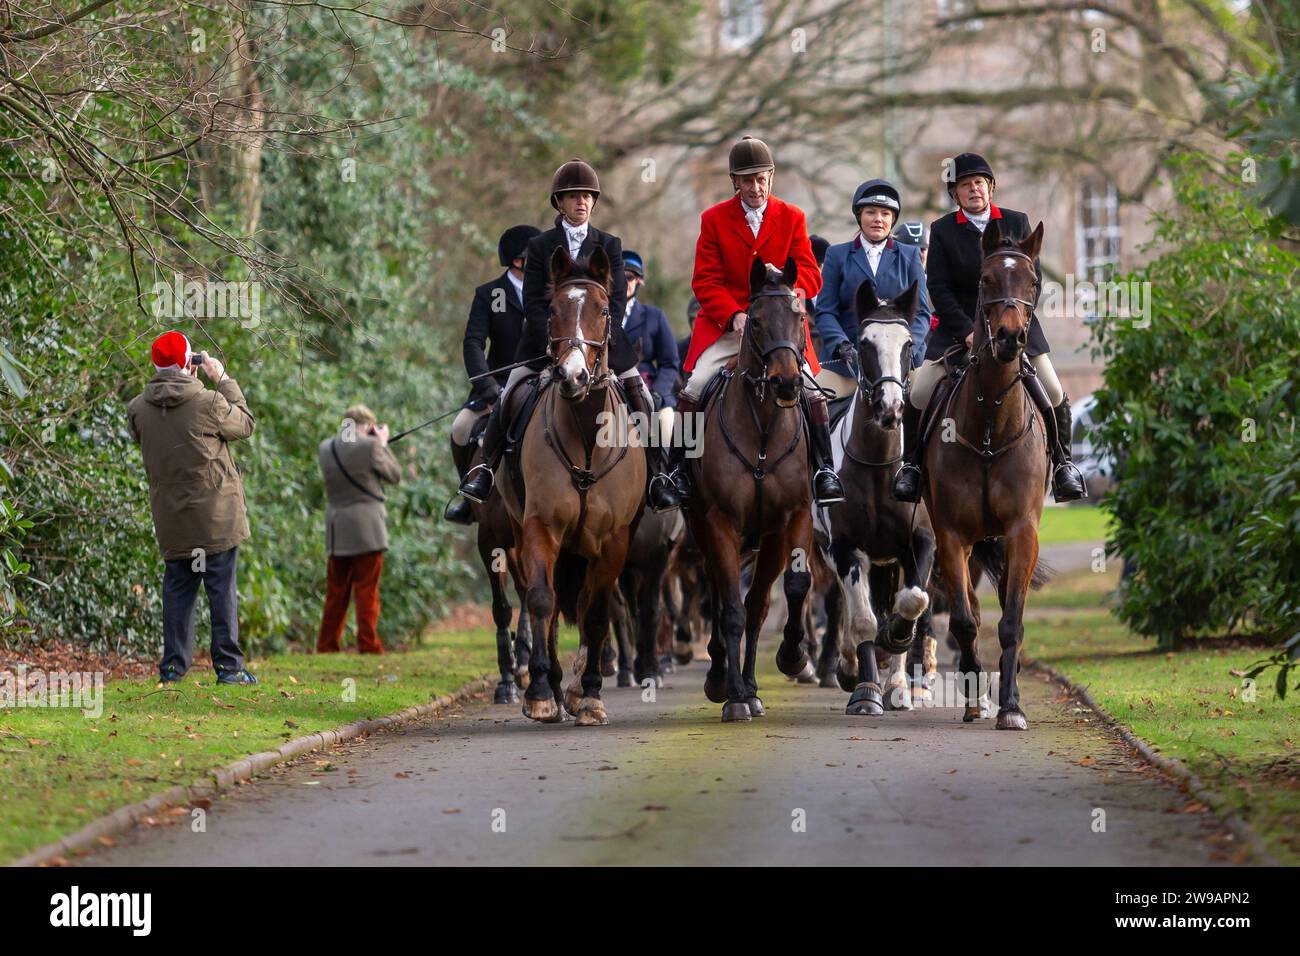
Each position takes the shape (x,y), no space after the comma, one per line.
(1242,741)
(60,769)
(1073,523)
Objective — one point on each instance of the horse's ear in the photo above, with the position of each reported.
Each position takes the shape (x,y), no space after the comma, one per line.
(598,266)
(1031,245)
(757,276)
(992,237)
(865,301)
(561,265)
(790,274)
(906,303)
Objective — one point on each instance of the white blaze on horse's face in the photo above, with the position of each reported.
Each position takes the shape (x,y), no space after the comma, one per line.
(573,368)
(887,340)
(1008,263)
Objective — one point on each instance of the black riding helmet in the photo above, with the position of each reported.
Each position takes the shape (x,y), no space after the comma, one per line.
(913,233)
(969,164)
(877,192)
(514,241)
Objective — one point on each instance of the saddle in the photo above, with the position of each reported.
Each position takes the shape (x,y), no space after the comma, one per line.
(956,362)
(838,408)
(518,412)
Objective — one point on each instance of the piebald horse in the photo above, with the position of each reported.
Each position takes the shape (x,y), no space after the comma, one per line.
(870,535)
(584,491)
(752,490)
(990,479)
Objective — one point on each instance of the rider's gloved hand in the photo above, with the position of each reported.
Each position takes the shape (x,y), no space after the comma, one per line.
(845,352)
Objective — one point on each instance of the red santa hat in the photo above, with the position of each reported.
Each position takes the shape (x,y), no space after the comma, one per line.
(171,348)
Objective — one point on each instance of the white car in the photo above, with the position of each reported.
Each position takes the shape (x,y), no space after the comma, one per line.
(1096,465)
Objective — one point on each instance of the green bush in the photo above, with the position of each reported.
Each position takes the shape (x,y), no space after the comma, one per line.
(1200,410)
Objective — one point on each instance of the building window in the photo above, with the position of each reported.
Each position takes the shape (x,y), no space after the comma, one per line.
(1099,230)
(742,22)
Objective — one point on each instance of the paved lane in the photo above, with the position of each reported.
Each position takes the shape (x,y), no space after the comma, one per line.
(667,783)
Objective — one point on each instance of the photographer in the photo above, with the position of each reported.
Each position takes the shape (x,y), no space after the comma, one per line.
(354,464)
(197,499)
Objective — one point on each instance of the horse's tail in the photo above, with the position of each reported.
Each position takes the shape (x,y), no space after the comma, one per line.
(570,571)
(990,557)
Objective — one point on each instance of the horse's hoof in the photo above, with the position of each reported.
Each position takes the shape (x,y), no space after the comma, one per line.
(897,698)
(848,682)
(1012,720)
(506,693)
(756,707)
(625,679)
(865,702)
(735,710)
(682,653)
(715,690)
(667,665)
(590,713)
(792,665)
(608,668)
(544,710)
(920,693)
(972,713)
(808,675)
(572,697)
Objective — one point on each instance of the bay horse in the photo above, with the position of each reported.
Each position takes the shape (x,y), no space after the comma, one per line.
(988,476)
(585,489)
(870,536)
(753,491)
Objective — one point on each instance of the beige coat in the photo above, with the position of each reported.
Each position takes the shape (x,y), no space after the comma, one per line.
(195,491)
(355,520)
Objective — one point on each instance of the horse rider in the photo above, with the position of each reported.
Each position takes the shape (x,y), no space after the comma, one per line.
(913,232)
(496,318)
(956,259)
(648,330)
(752,224)
(872,254)
(574,192)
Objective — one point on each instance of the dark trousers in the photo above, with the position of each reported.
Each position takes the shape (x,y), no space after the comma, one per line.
(356,574)
(181,591)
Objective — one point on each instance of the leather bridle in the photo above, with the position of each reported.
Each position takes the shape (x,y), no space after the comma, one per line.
(764,354)
(574,342)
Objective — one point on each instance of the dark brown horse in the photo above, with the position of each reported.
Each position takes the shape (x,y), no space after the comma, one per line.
(585,486)
(986,475)
(496,549)
(752,492)
(872,536)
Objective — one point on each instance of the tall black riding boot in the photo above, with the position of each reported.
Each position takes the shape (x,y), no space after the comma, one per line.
(660,493)
(1067,482)
(827,489)
(907,483)
(477,485)
(677,452)
(458,510)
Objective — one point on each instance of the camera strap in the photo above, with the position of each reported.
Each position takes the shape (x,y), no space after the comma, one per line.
(352,481)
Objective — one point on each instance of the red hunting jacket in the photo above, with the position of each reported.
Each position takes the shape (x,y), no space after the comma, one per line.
(724,255)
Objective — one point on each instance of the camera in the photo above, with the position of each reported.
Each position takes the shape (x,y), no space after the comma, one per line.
(196,359)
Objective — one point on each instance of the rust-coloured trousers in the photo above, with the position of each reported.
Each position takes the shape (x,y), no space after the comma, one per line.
(358,575)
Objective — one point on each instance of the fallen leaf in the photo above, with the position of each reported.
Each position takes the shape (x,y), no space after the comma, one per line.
(1087,762)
